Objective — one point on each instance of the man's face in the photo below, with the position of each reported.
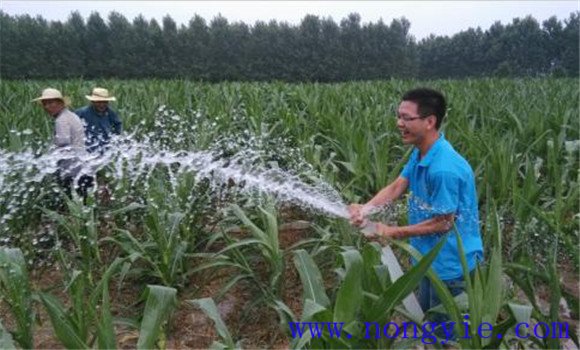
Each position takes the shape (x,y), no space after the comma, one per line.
(52,106)
(100,106)
(411,125)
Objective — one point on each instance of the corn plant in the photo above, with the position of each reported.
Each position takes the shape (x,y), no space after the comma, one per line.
(89,318)
(262,245)
(521,137)
(16,292)
(242,255)
(500,125)
(162,249)
(526,274)
(80,228)
(161,301)
(365,296)
(207,305)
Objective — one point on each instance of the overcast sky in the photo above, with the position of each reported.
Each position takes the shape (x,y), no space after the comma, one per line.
(426,17)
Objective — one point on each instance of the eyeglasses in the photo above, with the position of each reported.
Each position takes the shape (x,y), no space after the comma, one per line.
(406,118)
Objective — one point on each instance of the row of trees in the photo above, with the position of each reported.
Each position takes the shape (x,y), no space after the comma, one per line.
(315,50)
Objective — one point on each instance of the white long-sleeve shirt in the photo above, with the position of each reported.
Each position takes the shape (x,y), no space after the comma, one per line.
(69,131)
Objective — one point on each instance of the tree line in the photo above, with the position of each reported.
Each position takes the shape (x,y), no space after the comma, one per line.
(317,49)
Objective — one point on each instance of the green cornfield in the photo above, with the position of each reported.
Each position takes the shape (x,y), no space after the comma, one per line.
(171,262)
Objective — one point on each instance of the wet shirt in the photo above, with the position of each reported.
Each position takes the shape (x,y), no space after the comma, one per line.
(99,127)
(440,183)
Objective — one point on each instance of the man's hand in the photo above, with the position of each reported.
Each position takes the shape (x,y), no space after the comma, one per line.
(356,214)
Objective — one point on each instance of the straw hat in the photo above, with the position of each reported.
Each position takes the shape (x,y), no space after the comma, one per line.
(50,94)
(100,94)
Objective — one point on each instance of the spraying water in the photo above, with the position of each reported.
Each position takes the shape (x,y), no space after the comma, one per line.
(249,168)
(246,161)
(141,157)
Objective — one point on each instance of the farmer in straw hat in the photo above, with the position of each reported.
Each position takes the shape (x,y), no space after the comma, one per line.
(100,120)
(69,139)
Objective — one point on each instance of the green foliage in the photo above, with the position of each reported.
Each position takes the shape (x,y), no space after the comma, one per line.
(16,292)
(160,303)
(520,136)
(528,275)
(317,49)
(88,318)
(365,295)
(262,246)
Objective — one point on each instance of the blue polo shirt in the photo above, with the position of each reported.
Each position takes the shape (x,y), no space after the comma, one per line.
(99,127)
(442,182)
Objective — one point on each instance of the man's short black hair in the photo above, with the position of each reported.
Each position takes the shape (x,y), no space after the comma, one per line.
(429,102)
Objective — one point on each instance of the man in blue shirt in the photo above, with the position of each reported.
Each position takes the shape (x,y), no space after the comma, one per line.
(100,120)
(442,193)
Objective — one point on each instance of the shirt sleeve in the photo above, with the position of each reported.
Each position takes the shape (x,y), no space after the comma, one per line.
(408,168)
(444,192)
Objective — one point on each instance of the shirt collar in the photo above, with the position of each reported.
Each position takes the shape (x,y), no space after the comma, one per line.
(432,151)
